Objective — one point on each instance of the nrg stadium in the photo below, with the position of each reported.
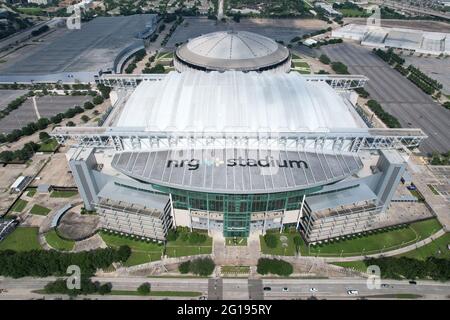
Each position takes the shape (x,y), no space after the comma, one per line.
(232,142)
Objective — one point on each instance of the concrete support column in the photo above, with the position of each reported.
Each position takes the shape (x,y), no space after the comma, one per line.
(300,212)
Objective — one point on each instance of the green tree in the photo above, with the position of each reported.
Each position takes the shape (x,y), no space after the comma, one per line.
(88,105)
(298,242)
(324,59)
(84,118)
(202,266)
(105,288)
(184,267)
(144,289)
(271,240)
(97,100)
(43,136)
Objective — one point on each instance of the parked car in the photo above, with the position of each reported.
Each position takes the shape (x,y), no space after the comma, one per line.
(267,289)
(312,289)
(285,289)
(412,282)
(352,292)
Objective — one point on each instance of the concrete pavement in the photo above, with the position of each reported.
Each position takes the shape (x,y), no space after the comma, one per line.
(242,289)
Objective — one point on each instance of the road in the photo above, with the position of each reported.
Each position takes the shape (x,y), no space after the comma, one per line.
(244,289)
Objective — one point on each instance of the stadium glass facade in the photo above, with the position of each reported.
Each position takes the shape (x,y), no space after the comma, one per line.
(236,208)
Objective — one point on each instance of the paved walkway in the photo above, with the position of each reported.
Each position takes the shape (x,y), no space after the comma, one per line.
(388,253)
(422,176)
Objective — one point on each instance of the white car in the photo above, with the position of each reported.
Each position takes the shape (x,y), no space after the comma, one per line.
(285,289)
(352,292)
(312,289)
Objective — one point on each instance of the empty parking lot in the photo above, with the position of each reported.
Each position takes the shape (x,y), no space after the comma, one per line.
(277,29)
(397,95)
(47,107)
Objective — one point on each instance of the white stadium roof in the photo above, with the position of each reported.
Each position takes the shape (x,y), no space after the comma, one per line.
(237,50)
(235,102)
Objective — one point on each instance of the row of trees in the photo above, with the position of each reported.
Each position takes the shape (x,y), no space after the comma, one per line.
(43,123)
(8,156)
(389,56)
(274,266)
(440,159)
(43,263)
(387,118)
(13,105)
(59,286)
(398,268)
(422,76)
(138,56)
(40,31)
(200,266)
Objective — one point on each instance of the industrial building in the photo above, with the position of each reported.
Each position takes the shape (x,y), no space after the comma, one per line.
(237,153)
(419,41)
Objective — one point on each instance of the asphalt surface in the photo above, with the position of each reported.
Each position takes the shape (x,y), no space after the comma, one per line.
(47,106)
(277,29)
(244,289)
(397,95)
(6,96)
(91,48)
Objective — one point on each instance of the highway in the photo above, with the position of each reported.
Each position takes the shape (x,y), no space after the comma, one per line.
(244,289)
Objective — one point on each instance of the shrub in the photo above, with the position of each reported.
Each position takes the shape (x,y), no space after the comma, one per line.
(84,118)
(104,288)
(172,235)
(274,266)
(324,59)
(44,136)
(271,240)
(97,100)
(144,288)
(88,105)
(202,266)
(184,267)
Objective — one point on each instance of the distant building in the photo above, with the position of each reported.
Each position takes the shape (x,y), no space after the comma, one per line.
(328,8)
(434,43)
(20,183)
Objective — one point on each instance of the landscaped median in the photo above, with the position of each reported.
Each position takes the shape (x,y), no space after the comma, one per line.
(58,243)
(21,239)
(141,251)
(376,241)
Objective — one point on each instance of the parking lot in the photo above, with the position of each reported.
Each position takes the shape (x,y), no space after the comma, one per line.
(6,96)
(277,29)
(47,107)
(435,68)
(397,95)
(91,48)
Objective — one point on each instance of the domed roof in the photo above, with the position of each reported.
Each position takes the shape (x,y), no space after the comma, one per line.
(232,50)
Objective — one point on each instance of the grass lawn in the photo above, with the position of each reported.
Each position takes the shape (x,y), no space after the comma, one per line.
(19,205)
(48,146)
(30,10)
(353,13)
(373,243)
(58,243)
(63,194)
(142,251)
(181,248)
(31,192)
(235,269)
(39,210)
(433,189)
(437,248)
(22,239)
(280,250)
(301,64)
(357,265)
(157,293)
(236,241)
